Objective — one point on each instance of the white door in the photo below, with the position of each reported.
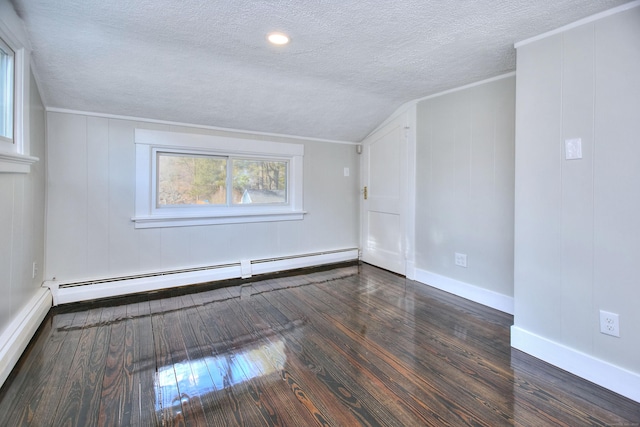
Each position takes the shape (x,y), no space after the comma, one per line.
(384,183)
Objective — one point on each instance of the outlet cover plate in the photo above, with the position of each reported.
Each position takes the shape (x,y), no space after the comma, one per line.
(461,259)
(609,323)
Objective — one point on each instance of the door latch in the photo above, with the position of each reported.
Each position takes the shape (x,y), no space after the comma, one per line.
(365,192)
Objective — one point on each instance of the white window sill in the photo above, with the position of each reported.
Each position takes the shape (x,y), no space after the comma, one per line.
(157,221)
(16,163)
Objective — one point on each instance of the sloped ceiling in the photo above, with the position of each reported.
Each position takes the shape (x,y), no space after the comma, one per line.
(349,65)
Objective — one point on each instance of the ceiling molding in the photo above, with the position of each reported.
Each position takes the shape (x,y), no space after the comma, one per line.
(192,125)
(579,23)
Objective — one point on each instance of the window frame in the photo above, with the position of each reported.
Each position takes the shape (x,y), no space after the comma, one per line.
(149,143)
(12,88)
(14,153)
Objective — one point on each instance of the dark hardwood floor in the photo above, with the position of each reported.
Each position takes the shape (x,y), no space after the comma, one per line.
(351,345)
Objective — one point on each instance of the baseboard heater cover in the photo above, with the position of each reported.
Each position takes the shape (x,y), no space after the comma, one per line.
(68,292)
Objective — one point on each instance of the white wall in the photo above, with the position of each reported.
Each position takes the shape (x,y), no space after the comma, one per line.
(91,188)
(22,204)
(464,189)
(577,240)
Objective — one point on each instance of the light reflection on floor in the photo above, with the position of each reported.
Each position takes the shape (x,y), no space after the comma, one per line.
(209,374)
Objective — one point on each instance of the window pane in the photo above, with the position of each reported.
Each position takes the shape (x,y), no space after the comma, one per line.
(191,180)
(6,91)
(259,182)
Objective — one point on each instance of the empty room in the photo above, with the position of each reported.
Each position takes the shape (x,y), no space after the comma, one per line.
(196,227)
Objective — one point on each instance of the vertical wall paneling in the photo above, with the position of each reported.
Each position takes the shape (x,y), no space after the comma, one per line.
(464,190)
(21,236)
(97,160)
(577,230)
(577,188)
(123,241)
(538,184)
(92,196)
(617,183)
(22,230)
(7,260)
(67,193)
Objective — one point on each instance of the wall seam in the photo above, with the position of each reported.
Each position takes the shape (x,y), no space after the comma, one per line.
(562,186)
(88,202)
(13,307)
(593,187)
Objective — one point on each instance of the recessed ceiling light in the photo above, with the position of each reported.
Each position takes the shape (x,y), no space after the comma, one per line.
(278,38)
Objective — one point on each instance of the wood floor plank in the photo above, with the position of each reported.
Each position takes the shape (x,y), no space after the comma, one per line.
(248,361)
(47,404)
(314,350)
(116,401)
(294,405)
(203,360)
(190,398)
(143,366)
(322,343)
(331,346)
(300,378)
(233,396)
(168,401)
(31,404)
(386,353)
(36,354)
(84,383)
(458,353)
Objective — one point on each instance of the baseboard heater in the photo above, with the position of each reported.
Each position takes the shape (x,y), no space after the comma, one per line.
(67,292)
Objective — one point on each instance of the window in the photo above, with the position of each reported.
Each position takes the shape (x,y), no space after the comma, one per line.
(259,181)
(6,92)
(15,87)
(196,179)
(190,179)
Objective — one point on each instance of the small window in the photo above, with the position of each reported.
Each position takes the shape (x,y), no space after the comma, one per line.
(6,91)
(191,179)
(259,181)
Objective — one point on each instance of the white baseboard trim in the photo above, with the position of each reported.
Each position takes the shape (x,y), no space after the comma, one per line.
(108,288)
(468,291)
(410,270)
(18,333)
(604,374)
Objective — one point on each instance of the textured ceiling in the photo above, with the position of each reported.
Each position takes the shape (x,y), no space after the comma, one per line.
(349,65)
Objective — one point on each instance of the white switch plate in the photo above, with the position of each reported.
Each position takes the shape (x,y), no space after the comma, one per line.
(573,148)
(346,171)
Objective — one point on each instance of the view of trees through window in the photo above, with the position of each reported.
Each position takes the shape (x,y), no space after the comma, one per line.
(6,91)
(191,179)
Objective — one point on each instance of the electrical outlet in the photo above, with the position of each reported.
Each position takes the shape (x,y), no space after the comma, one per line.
(609,323)
(461,259)
(34,270)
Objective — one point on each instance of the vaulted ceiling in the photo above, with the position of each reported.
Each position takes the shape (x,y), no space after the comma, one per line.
(349,65)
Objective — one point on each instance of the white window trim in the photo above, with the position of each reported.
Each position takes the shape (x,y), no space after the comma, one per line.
(14,155)
(149,142)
